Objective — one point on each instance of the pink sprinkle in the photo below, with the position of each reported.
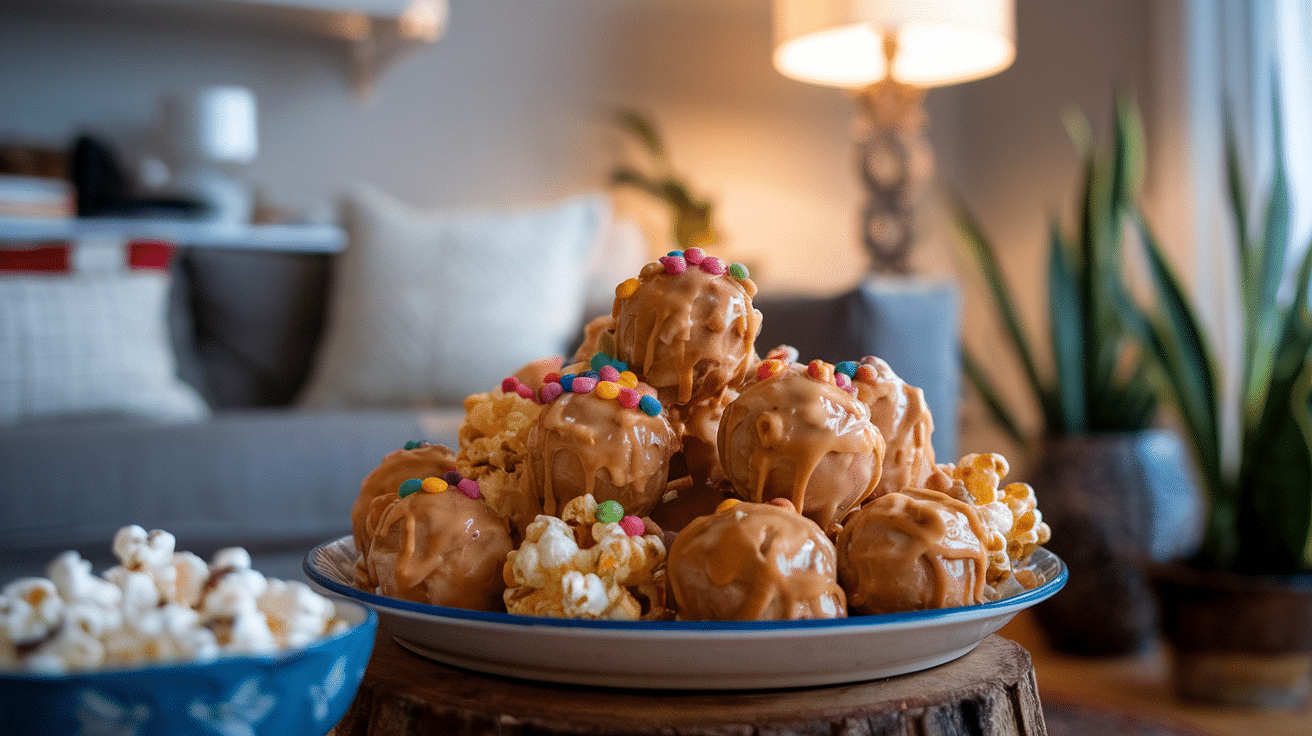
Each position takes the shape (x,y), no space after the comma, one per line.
(694,255)
(714,266)
(842,381)
(524,390)
(549,392)
(510,384)
(609,373)
(583,384)
(629,398)
(469,487)
(633,526)
(674,264)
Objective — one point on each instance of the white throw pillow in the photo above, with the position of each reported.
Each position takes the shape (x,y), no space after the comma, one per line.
(429,307)
(89,343)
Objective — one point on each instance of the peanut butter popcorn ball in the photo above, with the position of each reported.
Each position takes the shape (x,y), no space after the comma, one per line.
(686,325)
(899,410)
(440,544)
(601,433)
(595,562)
(378,489)
(911,550)
(800,433)
(754,561)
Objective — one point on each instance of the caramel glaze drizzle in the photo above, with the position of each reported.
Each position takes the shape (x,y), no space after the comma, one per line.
(899,410)
(583,443)
(755,561)
(448,550)
(688,335)
(932,522)
(792,424)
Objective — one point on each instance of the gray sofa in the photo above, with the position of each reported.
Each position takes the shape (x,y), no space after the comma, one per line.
(278,479)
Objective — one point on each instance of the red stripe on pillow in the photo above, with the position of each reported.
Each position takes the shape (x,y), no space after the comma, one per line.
(48,258)
(150,254)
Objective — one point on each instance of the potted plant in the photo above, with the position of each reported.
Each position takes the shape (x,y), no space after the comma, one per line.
(1238,613)
(690,215)
(1104,474)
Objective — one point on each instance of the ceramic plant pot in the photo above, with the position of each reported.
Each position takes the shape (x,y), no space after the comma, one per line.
(1240,640)
(1115,502)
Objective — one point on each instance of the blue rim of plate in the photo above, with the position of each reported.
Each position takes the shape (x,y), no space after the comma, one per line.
(370,622)
(937,615)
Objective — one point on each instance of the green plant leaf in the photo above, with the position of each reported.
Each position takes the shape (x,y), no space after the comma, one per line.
(641,128)
(1179,346)
(1262,314)
(984,255)
(992,399)
(1067,327)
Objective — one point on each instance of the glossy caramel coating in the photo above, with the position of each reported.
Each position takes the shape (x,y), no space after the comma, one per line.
(584,444)
(911,550)
(754,561)
(899,410)
(689,335)
(804,439)
(444,548)
(379,489)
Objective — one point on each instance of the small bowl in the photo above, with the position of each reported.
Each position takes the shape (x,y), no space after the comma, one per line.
(300,691)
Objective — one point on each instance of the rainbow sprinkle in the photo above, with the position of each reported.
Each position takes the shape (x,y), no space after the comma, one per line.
(609,379)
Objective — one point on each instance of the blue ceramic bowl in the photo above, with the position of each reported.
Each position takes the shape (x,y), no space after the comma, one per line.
(303,691)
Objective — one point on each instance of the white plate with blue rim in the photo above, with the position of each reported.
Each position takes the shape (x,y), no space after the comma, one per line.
(683,655)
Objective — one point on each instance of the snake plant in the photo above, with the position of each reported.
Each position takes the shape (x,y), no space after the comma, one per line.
(1259,485)
(1098,383)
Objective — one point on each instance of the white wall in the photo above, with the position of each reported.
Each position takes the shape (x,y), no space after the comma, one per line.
(511,106)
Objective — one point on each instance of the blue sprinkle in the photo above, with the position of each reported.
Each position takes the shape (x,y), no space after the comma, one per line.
(847,367)
(410,486)
(649,405)
(591,374)
(413,444)
(566,381)
(675,253)
(619,365)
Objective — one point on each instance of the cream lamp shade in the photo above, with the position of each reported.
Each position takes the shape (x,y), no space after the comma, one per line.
(847,43)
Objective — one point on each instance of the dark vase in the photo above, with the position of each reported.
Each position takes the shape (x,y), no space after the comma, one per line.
(1240,640)
(1115,502)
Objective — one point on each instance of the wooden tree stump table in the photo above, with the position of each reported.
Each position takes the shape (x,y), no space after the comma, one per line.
(989,692)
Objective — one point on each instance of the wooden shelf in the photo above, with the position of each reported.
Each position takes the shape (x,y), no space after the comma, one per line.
(376,33)
(115,231)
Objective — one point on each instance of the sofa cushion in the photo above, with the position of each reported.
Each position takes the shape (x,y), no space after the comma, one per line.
(261,478)
(256,319)
(87,332)
(428,307)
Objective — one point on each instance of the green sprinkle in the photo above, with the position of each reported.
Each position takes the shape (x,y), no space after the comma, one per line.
(599,361)
(413,445)
(738,271)
(609,511)
(411,486)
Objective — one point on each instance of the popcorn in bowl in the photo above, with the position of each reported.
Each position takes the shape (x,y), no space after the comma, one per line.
(167,643)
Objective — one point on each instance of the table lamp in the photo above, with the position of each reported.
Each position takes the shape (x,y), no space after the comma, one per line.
(211,134)
(888,52)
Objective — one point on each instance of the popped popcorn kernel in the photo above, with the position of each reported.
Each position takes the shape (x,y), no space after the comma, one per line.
(579,567)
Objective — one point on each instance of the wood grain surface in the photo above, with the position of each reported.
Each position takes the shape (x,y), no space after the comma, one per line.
(990,692)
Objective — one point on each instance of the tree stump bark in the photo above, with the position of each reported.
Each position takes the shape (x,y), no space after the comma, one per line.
(989,692)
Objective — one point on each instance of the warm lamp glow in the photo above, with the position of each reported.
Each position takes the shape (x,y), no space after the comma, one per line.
(933,42)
